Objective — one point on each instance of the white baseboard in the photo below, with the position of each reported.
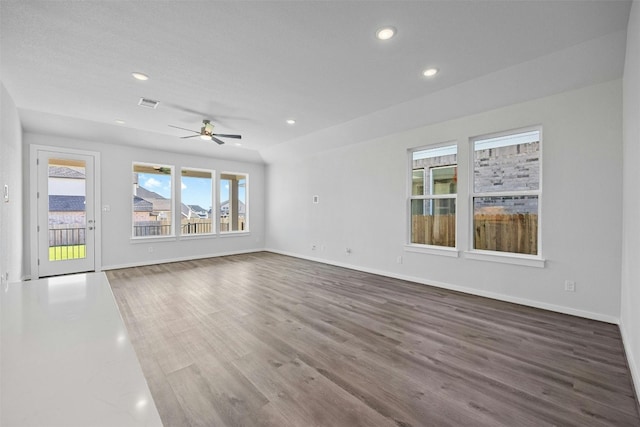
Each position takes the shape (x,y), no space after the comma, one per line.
(464,289)
(178,259)
(631,361)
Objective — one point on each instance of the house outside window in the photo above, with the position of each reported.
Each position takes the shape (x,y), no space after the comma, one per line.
(196,207)
(506,192)
(152,207)
(234,208)
(434,187)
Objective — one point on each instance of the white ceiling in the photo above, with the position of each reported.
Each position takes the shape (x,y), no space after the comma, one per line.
(250,65)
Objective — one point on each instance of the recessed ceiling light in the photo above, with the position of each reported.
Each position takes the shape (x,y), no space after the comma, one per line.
(430,72)
(120,122)
(140,76)
(291,122)
(385,33)
(238,144)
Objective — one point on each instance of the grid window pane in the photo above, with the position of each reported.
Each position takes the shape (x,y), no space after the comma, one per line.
(196,208)
(433,222)
(233,202)
(152,200)
(507,163)
(417,182)
(434,173)
(506,224)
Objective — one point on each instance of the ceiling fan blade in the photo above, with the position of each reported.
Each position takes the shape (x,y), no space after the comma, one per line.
(188,130)
(192,136)
(227,136)
(217,140)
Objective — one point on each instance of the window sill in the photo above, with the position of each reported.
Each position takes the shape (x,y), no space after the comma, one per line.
(506,258)
(147,239)
(433,250)
(197,236)
(235,233)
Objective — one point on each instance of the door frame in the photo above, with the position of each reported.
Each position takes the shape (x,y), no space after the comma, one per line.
(33,203)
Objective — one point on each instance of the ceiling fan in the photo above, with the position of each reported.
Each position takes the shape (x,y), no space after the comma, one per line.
(206,132)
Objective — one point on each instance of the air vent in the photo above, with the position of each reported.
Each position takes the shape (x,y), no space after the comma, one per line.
(149,103)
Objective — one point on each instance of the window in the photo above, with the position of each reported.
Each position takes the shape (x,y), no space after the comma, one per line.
(152,200)
(233,202)
(434,185)
(196,212)
(506,192)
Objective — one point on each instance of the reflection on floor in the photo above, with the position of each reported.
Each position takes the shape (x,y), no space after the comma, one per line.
(67,359)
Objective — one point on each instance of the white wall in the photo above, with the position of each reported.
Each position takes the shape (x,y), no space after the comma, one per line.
(11,261)
(630,312)
(362,190)
(118,250)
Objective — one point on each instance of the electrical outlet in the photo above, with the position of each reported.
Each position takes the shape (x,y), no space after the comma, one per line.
(150,249)
(569,286)
(348,251)
(399,260)
(313,247)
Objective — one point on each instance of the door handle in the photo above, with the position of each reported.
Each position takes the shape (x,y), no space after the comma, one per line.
(90,228)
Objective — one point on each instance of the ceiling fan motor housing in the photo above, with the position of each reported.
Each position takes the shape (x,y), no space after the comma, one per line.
(207,129)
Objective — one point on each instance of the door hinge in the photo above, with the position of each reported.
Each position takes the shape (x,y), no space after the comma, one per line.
(38,229)
(38,261)
(37,161)
(37,195)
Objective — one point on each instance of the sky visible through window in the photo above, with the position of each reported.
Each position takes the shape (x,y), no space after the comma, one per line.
(195,191)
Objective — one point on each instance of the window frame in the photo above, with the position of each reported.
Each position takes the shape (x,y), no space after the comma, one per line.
(214,216)
(536,260)
(172,235)
(421,247)
(246,205)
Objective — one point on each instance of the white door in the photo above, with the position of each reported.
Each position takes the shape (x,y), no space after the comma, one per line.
(65,213)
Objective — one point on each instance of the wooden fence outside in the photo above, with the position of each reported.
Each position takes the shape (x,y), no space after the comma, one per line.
(67,234)
(516,233)
(438,230)
(151,228)
(188,226)
(196,226)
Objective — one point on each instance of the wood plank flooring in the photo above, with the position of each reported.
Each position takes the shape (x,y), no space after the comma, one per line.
(268,340)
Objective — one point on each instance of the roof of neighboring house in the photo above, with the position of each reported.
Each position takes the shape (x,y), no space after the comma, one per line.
(66,203)
(185,210)
(141,205)
(198,209)
(147,194)
(160,204)
(64,172)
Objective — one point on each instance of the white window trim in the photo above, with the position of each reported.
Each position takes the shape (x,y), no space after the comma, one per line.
(247,230)
(506,258)
(416,247)
(167,237)
(432,250)
(498,256)
(214,215)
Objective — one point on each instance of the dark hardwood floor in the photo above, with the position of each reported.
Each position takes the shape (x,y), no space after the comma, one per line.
(268,340)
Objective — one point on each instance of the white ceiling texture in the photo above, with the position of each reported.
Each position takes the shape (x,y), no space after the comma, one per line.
(250,65)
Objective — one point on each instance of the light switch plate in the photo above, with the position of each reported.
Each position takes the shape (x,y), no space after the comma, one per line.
(6,193)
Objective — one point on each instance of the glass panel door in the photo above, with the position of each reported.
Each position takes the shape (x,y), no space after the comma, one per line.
(66,222)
